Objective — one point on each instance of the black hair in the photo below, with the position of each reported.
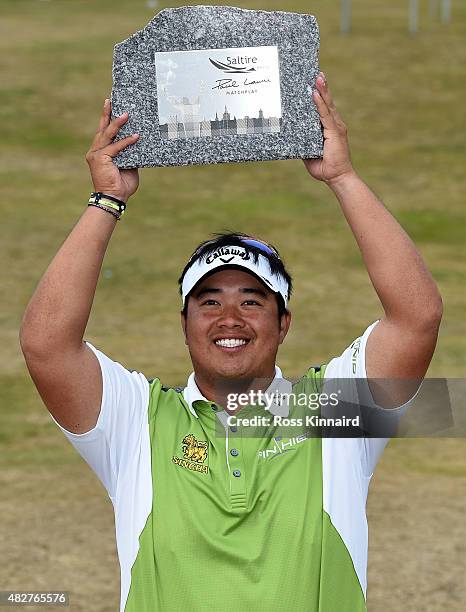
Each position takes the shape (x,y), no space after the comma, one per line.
(206,248)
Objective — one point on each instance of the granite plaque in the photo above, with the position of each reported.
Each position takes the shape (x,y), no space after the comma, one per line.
(212,84)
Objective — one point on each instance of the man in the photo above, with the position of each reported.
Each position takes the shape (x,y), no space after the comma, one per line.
(207,517)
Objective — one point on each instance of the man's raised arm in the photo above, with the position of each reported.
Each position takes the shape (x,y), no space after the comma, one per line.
(64,370)
(402,344)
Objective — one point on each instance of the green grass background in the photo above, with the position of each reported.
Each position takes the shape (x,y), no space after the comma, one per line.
(403,99)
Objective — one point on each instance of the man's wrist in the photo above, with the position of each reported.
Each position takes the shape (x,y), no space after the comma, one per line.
(109,203)
(118,196)
(115,194)
(344,181)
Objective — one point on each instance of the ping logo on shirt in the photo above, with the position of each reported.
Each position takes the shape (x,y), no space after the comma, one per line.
(194,455)
(354,357)
(281,446)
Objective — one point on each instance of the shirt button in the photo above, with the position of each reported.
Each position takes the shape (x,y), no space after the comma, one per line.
(234,452)
(233,429)
(236,473)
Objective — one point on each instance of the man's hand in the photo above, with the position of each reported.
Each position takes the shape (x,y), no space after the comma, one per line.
(336,162)
(106,176)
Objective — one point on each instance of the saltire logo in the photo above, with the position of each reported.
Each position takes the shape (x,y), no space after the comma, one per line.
(229,69)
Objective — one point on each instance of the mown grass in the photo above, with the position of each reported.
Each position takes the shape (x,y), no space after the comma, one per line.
(402,97)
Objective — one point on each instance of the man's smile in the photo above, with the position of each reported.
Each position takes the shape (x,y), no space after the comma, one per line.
(231,344)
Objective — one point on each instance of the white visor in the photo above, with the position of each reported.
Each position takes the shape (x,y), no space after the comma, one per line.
(239,257)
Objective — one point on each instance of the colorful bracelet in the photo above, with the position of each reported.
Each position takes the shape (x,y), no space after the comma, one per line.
(98,197)
(109,210)
(108,204)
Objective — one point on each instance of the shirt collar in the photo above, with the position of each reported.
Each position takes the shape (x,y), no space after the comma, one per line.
(191,393)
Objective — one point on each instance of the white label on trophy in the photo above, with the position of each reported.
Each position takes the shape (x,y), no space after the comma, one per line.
(218,92)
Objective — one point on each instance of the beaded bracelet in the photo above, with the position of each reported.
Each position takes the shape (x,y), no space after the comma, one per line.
(108,200)
(109,210)
(108,204)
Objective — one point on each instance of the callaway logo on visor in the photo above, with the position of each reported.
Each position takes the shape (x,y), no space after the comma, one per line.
(227,254)
(239,257)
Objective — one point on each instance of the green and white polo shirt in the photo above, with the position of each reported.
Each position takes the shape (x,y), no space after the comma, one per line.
(227,522)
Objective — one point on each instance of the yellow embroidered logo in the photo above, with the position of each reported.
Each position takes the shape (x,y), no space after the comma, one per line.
(195,453)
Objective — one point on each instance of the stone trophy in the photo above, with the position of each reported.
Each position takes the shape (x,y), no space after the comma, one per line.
(213,84)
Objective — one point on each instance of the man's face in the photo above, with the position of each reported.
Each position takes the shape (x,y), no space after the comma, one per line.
(232,327)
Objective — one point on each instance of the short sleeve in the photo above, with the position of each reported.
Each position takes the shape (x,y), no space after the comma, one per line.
(351,366)
(108,447)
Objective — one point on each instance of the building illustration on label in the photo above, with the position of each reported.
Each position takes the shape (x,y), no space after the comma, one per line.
(188,125)
(218,92)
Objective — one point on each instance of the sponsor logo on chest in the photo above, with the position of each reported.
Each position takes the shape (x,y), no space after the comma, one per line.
(281,446)
(195,453)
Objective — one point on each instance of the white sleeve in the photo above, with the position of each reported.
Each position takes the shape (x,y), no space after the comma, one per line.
(123,412)
(351,364)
